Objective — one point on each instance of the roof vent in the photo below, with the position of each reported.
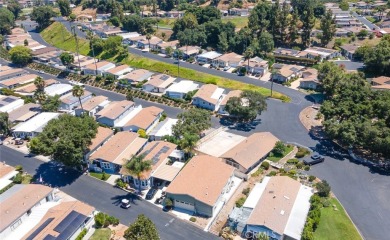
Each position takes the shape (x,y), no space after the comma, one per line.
(274,196)
(286,197)
(282,212)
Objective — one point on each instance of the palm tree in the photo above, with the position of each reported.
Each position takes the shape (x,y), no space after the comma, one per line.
(40,96)
(188,144)
(138,165)
(248,55)
(148,37)
(78,91)
(39,84)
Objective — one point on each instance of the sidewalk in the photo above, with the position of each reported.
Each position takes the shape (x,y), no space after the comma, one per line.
(24,149)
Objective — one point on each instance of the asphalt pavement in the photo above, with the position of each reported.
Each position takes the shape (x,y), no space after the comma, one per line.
(350,65)
(364,20)
(104,197)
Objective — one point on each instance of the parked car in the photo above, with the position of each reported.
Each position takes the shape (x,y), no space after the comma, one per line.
(151,193)
(125,204)
(226,68)
(18,141)
(314,159)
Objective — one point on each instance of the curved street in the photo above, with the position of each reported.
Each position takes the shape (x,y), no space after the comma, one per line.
(362,191)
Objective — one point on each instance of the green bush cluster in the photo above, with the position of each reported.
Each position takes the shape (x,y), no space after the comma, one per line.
(192,219)
(312,178)
(265,165)
(82,234)
(240,202)
(120,183)
(272,173)
(302,152)
(246,191)
(293,161)
(313,218)
(104,220)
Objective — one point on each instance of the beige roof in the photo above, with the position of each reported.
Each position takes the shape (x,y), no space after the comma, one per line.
(118,69)
(101,135)
(190,49)
(4,68)
(275,204)
(256,62)
(381,80)
(17,200)
(5,169)
(166,172)
(93,102)
(161,80)
(310,74)
(19,80)
(114,109)
(24,112)
(350,47)
(120,147)
(98,65)
(251,150)
(233,93)
(169,44)
(69,98)
(145,117)
(137,75)
(205,92)
(157,152)
(30,88)
(12,71)
(230,57)
(203,178)
(59,213)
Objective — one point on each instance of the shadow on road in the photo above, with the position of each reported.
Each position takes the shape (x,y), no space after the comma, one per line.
(130,196)
(56,175)
(245,127)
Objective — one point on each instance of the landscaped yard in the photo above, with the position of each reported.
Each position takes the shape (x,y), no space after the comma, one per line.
(100,175)
(335,224)
(277,157)
(57,35)
(101,234)
(166,22)
(239,22)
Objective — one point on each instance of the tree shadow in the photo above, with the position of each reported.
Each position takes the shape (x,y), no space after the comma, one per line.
(239,126)
(56,175)
(315,98)
(133,198)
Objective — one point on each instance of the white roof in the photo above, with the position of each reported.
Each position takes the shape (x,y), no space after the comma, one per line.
(58,89)
(129,116)
(129,35)
(165,128)
(255,194)
(37,123)
(300,209)
(210,55)
(217,93)
(184,86)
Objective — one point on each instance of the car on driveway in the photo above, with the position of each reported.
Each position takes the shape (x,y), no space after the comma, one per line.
(151,193)
(125,204)
(314,159)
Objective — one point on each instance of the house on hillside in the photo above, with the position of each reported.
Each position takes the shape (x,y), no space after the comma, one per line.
(209,96)
(310,79)
(146,119)
(158,83)
(112,113)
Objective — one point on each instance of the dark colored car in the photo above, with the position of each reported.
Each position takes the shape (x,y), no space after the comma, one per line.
(151,193)
(314,159)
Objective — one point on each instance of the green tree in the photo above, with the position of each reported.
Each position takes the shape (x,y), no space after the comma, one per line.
(39,84)
(50,104)
(7,21)
(4,123)
(142,229)
(344,5)
(362,34)
(14,7)
(42,16)
(266,42)
(328,28)
(67,59)
(293,33)
(20,55)
(78,92)
(65,139)
(248,54)
(115,21)
(64,6)
(246,107)
(193,122)
(259,19)
(41,98)
(284,22)
(137,165)
(112,44)
(148,37)
(188,143)
(323,188)
(72,17)
(223,44)
(279,148)
(169,51)
(308,21)
(25,43)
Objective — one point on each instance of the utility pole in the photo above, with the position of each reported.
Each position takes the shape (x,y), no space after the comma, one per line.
(93,52)
(77,45)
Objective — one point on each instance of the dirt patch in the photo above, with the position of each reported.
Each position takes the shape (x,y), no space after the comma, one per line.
(164,34)
(308,118)
(88,11)
(117,232)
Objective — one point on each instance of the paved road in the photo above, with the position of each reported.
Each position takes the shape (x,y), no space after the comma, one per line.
(104,197)
(364,20)
(350,65)
(363,193)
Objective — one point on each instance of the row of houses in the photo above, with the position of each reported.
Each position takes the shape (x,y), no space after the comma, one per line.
(35,211)
(19,37)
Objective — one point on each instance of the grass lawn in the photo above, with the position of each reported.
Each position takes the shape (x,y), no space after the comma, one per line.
(100,175)
(52,35)
(239,22)
(166,22)
(335,224)
(101,234)
(276,158)
(57,35)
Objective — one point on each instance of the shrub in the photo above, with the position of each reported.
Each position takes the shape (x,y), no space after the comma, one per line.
(307,168)
(104,176)
(240,202)
(18,178)
(82,234)
(113,220)
(265,165)
(19,168)
(168,202)
(120,183)
(272,173)
(293,161)
(192,219)
(299,165)
(323,188)
(300,154)
(246,191)
(104,220)
(312,178)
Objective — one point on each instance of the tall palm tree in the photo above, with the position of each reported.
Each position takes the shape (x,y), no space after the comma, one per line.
(39,84)
(248,55)
(78,91)
(138,165)
(188,144)
(40,96)
(148,37)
